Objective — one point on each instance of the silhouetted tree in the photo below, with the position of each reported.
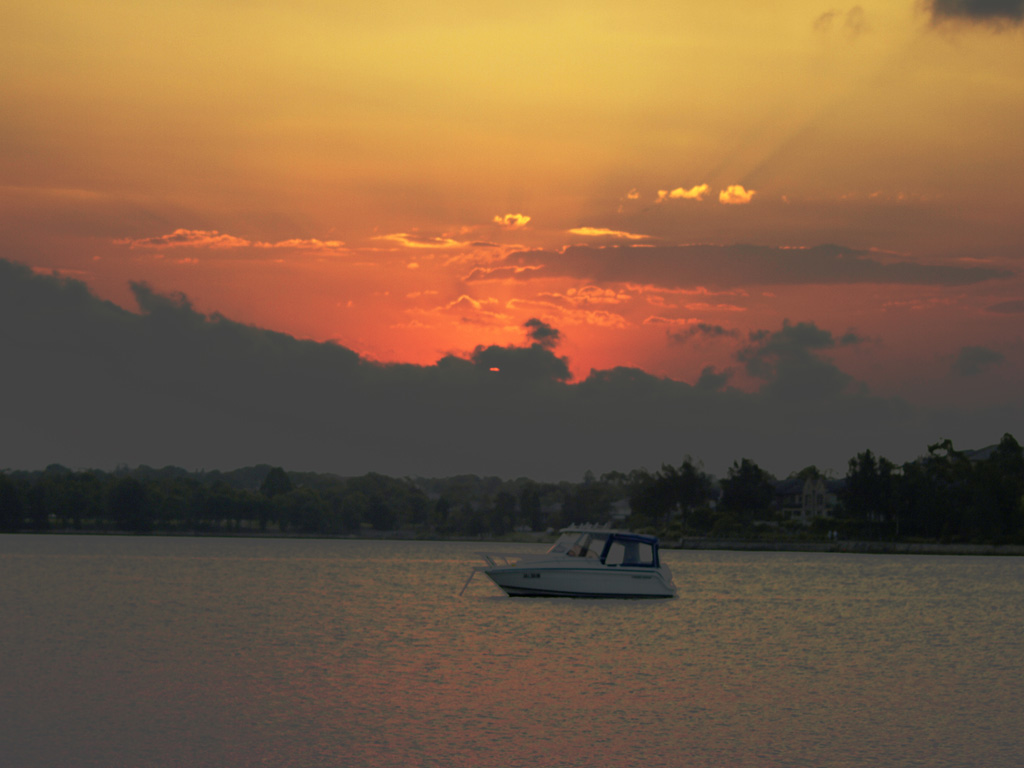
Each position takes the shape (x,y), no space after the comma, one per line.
(747,491)
(276,483)
(583,503)
(503,514)
(128,503)
(216,507)
(304,510)
(689,487)
(951,476)
(672,492)
(650,501)
(947,494)
(380,515)
(466,521)
(11,505)
(439,517)
(530,510)
(869,490)
(38,500)
(997,504)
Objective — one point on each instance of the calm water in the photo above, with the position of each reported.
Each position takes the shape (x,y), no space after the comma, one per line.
(234,653)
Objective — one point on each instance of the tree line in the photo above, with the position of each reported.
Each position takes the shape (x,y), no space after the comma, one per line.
(946,495)
(265,499)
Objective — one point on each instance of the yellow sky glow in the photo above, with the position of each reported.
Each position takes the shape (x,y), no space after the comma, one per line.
(374,174)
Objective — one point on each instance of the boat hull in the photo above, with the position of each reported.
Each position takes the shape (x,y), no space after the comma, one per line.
(599,581)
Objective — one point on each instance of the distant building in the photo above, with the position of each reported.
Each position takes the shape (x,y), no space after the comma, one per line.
(620,511)
(803,499)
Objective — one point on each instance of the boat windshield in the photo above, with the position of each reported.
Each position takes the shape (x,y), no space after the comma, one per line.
(580,544)
(630,552)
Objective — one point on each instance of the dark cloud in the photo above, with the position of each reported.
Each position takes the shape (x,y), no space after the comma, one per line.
(1013,307)
(711,380)
(825,21)
(153,303)
(702,330)
(999,12)
(739,265)
(190,238)
(88,384)
(856,20)
(853,21)
(522,365)
(972,361)
(542,333)
(500,273)
(788,362)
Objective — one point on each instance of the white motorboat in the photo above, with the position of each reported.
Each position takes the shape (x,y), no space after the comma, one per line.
(584,562)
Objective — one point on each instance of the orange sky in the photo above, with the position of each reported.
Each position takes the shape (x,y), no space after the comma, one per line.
(410,178)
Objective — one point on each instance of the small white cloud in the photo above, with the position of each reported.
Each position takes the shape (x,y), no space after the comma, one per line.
(422,241)
(211,238)
(308,244)
(512,221)
(189,238)
(679,193)
(735,194)
(603,232)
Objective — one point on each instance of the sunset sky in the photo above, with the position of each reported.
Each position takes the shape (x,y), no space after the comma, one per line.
(673,187)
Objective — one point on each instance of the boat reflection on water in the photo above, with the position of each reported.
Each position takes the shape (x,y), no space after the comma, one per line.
(585,561)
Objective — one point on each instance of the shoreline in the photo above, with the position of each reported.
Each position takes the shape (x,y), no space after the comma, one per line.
(849,547)
(696,543)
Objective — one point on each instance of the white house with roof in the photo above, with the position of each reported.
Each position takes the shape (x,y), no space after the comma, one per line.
(802,499)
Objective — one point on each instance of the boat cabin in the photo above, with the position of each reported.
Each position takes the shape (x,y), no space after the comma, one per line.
(609,547)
